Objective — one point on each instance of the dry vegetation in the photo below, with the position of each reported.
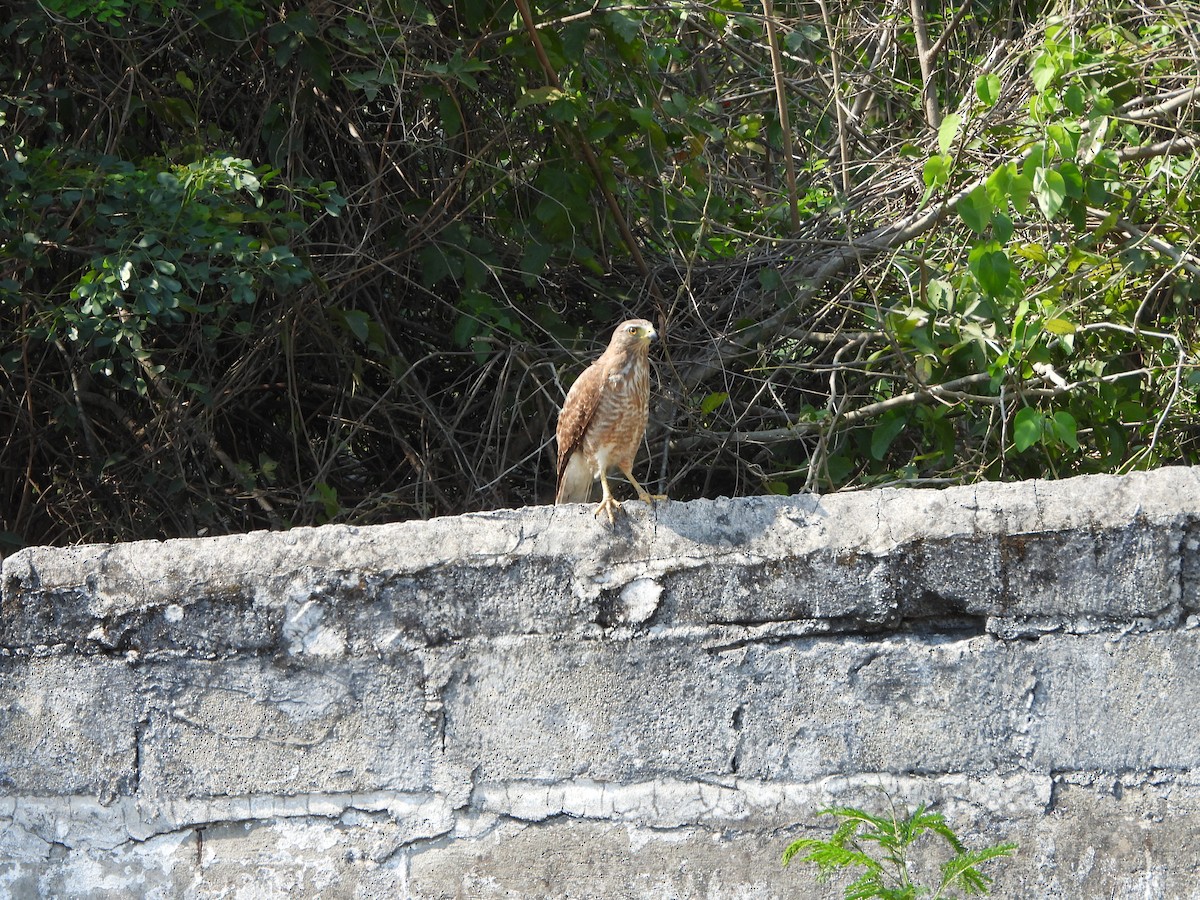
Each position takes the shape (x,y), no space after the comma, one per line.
(266,267)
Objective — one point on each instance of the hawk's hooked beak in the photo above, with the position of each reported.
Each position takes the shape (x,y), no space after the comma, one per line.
(651,334)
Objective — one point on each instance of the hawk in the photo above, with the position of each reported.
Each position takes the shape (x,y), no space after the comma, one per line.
(603,419)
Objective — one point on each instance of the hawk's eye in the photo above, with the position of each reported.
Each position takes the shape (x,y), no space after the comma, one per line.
(633,329)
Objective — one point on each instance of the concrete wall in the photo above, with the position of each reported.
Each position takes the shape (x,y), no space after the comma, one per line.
(532,704)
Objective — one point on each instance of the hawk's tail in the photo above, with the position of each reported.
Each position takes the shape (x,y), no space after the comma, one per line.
(574,482)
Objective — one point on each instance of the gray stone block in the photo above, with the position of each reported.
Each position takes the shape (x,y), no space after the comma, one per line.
(599,861)
(68,725)
(610,710)
(254,727)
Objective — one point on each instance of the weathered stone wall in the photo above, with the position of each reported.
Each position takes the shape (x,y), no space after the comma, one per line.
(529,703)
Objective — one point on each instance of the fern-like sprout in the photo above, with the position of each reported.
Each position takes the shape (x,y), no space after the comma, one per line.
(886,873)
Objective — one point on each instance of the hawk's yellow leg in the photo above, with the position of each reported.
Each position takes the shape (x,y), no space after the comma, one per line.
(609,503)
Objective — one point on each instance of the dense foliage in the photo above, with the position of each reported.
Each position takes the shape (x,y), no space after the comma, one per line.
(266,265)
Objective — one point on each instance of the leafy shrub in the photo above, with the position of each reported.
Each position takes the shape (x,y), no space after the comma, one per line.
(966,253)
(882,846)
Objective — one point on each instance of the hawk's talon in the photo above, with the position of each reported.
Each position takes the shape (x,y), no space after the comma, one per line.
(610,504)
(607,505)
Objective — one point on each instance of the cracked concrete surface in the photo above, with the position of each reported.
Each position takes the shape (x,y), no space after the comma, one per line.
(530,703)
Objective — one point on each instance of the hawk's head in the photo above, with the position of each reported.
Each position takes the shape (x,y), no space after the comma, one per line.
(636,333)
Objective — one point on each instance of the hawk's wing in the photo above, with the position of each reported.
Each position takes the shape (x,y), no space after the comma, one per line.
(577,411)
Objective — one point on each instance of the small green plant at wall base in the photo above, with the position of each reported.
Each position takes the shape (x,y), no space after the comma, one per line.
(880,845)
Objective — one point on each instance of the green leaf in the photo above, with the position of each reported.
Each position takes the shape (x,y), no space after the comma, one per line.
(1034,253)
(987,88)
(1066,139)
(547,94)
(1033,161)
(1091,143)
(1058,326)
(334,205)
(358,322)
(1065,428)
(1028,425)
(1072,180)
(435,265)
(1002,227)
(976,209)
(948,131)
(1050,191)
(464,329)
(937,171)
(177,112)
(712,401)
(885,433)
(598,130)
(940,294)
(991,268)
(1045,70)
(626,26)
(961,870)
(770,279)
(999,184)
(182,79)
(796,846)
(449,112)
(1073,100)
(533,261)
(644,118)
(327,497)
(1019,190)
(459,68)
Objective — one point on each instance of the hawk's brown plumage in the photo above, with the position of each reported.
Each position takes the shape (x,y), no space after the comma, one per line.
(604,417)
